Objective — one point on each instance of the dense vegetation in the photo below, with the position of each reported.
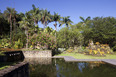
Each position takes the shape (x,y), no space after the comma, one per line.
(19,30)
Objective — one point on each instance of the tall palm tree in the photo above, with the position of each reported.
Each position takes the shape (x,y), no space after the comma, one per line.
(14,23)
(84,21)
(36,15)
(56,18)
(45,17)
(9,14)
(26,24)
(66,21)
(14,19)
(0,13)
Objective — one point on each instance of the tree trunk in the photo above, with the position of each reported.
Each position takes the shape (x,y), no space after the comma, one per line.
(55,28)
(14,32)
(36,31)
(36,27)
(10,30)
(15,27)
(27,39)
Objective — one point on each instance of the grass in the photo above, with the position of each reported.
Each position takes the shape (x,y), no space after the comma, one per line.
(4,65)
(1,68)
(2,53)
(82,56)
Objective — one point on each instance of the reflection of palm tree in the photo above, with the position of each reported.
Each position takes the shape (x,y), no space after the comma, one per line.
(81,66)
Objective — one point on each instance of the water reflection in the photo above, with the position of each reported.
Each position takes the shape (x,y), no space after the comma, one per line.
(59,68)
(81,66)
(38,60)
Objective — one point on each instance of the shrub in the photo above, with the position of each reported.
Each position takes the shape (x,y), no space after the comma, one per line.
(5,43)
(18,44)
(43,41)
(69,50)
(99,49)
(69,37)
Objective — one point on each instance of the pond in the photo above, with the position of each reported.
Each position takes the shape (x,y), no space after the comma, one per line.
(57,67)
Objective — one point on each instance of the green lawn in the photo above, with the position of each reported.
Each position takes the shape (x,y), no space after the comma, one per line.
(82,56)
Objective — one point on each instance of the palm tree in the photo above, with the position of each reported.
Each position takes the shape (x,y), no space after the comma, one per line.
(56,18)
(14,23)
(36,15)
(45,17)
(66,21)
(84,21)
(14,19)
(0,13)
(26,24)
(9,14)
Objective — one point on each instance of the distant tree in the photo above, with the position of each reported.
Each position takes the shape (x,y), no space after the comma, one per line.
(84,21)
(69,37)
(102,30)
(57,19)
(66,21)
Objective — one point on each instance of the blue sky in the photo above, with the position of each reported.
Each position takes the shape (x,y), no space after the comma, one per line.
(72,8)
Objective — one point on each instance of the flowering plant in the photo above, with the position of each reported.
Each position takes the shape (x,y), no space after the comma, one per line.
(44,40)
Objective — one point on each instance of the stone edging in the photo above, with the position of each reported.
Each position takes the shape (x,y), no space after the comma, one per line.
(18,70)
(72,59)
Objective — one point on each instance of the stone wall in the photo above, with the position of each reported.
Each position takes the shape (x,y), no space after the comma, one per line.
(44,53)
(12,56)
(3,58)
(18,70)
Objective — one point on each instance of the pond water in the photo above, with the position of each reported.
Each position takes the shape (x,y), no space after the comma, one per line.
(47,67)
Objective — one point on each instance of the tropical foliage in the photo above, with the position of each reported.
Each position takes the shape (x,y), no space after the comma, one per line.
(21,30)
(69,37)
(100,29)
